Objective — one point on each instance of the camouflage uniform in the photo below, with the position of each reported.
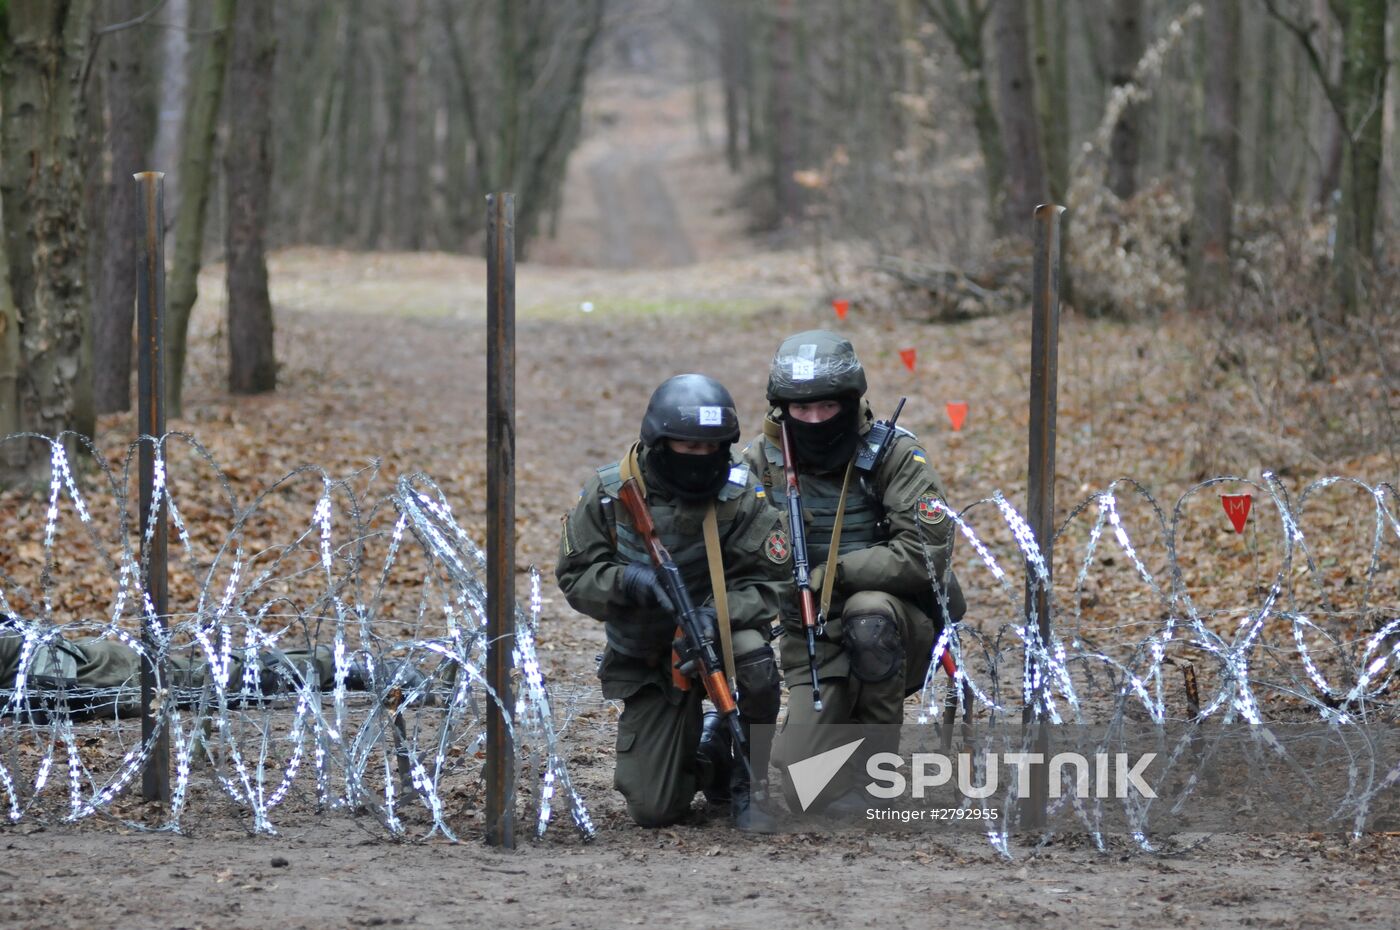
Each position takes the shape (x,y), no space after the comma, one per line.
(102,676)
(884,615)
(657,769)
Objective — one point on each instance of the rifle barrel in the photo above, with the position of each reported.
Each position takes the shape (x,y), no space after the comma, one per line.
(801,570)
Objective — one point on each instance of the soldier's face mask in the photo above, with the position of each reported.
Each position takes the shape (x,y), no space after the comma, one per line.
(689,477)
(828,445)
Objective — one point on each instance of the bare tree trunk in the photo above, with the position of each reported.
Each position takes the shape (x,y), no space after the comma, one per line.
(783,110)
(1329,176)
(1026,183)
(41,176)
(173,98)
(1216,178)
(196,168)
(409,208)
(1265,137)
(248,171)
(10,367)
(1052,90)
(128,136)
(732,47)
(963,26)
(1126,25)
(1363,88)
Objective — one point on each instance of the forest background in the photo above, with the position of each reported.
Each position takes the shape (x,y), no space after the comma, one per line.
(1231,164)
(696,179)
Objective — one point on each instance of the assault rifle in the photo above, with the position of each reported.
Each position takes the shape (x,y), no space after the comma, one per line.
(697,645)
(812,619)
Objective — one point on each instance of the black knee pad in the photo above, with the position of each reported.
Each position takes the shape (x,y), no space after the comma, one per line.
(760,688)
(873,643)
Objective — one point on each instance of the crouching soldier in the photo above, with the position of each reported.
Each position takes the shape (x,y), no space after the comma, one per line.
(732,555)
(879,544)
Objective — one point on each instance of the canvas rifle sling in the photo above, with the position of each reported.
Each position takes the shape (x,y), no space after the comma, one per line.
(716,560)
(829,580)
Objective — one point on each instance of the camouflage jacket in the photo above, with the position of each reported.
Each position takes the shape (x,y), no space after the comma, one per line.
(597,541)
(892,531)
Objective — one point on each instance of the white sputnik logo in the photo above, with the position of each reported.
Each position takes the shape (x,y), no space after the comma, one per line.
(814,773)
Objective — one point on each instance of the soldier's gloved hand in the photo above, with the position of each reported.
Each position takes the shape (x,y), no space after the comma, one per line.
(708,622)
(641,587)
(818,576)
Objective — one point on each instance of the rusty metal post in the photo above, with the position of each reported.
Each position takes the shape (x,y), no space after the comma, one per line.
(500,514)
(1040,495)
(150,337)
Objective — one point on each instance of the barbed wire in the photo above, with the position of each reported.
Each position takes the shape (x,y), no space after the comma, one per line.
(312,655)
(1319,660)
(345,668)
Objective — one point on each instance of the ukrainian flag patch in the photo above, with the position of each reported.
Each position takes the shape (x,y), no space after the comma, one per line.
(759,492)
(918,456)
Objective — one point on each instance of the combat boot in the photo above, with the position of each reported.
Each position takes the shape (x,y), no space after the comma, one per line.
(715,759)
(748,815)
(744,807)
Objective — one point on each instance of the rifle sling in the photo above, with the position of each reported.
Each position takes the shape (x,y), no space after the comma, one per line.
(629,469)
(716,560)
(829,579)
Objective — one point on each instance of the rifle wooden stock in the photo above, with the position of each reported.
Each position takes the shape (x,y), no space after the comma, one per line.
(717,685)
(801,571)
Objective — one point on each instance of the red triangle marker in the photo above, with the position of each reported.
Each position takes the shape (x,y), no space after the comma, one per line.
(907,356)
(957,414)
(1237,509)
(841,307)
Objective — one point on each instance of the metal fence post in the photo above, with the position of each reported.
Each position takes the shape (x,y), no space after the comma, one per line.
(1040,495)
(500,514)
(150,336)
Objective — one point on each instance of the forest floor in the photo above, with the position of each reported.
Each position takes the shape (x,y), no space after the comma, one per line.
(383,358)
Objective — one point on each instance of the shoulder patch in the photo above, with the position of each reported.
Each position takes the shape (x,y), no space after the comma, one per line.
(776,547)
(932,510)
(739,474)
(918,455)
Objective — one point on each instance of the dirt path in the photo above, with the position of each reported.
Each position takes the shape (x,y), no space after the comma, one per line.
(332,875)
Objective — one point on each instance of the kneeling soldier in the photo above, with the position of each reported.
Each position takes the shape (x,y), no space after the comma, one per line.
(732,554)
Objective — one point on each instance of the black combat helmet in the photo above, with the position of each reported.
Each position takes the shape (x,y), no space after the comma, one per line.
(814,365)
(693,407)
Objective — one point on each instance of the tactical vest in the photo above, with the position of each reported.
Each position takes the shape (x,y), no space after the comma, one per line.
(864,524)
(681,529)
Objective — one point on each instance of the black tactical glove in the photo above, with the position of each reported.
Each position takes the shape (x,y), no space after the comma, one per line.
(708,622)
(641,587)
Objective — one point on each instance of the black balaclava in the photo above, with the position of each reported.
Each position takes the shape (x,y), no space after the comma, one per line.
(829,445)
(689,477)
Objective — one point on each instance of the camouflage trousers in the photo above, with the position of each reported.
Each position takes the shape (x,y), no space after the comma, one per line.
(102,676)
(657,770)
(845,697)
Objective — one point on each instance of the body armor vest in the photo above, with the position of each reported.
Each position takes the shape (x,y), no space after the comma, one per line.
(863,525)
(680,527)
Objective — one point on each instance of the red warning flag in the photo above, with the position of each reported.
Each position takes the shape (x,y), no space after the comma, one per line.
(907,356)
(841,307)
(957,414)
(1237,509)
